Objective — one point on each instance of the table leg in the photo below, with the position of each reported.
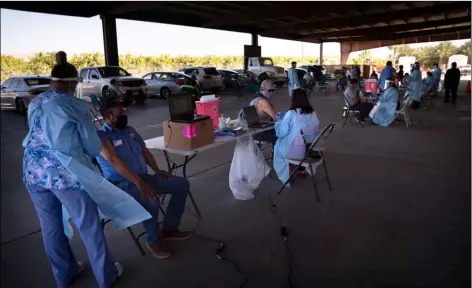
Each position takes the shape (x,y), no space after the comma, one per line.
(184,173)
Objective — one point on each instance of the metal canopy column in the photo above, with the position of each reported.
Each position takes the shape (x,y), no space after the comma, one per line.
(252,50)
(321,54)
(254,39)
(110,40)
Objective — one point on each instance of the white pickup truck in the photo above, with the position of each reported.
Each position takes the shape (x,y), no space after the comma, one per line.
(97,80)
(265,65)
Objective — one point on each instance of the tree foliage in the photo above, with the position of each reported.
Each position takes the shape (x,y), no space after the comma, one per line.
(426,55)
(42,63)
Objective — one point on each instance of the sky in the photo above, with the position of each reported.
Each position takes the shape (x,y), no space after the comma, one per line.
(26,33)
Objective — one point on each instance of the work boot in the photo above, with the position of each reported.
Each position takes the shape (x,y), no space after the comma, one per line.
(175,234)
(159,251)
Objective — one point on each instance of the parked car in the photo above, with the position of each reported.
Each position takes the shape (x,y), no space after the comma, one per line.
(18,92)
(97,80)
(165,84)
(230,76)
(208,77)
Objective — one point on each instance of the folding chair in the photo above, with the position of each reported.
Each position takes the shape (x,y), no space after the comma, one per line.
(348,110)
(323,85)
(404,111)
(310,162)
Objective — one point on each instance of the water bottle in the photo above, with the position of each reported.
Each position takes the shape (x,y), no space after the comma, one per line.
(344,111)
(221,122)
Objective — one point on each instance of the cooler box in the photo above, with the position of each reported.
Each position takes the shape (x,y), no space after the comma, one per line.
(209,108)
(371,86)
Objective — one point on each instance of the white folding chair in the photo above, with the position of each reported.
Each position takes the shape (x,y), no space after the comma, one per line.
(404,111)
(311,161)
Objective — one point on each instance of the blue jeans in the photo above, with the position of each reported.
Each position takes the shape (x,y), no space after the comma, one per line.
(177,187)
(84,214)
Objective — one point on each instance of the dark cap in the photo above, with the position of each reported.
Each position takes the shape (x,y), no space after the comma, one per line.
(108,104)
(62,71)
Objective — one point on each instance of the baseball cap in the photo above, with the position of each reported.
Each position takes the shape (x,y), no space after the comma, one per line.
(108,104)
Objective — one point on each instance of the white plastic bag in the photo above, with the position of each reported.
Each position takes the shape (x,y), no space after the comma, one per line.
(248,168)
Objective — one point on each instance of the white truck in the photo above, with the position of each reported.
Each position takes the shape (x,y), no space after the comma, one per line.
(265,65)
(97,81)
(461,60)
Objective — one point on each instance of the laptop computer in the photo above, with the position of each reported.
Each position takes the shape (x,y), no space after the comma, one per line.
(181,109)
(253,120)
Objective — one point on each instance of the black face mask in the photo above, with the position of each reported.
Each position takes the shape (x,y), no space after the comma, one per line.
(121,121)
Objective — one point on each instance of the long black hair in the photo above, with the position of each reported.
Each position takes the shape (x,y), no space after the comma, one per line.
(300,101)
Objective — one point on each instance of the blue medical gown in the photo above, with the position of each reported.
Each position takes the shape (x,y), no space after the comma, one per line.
(387,74)
(429,82)
(289,139)
(70,136)
(437,76)
(293,82)
(415,85)
(385,113)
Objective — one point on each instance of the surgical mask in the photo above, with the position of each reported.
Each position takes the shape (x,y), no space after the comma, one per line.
(121,121)
(268,94)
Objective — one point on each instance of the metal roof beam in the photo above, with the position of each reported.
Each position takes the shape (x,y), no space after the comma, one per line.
(391,29)
(303,10)
(460,31)
(364,20)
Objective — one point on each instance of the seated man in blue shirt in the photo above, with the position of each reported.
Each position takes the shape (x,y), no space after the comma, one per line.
(123,162)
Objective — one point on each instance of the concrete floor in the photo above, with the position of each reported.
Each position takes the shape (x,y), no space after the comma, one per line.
(398,215)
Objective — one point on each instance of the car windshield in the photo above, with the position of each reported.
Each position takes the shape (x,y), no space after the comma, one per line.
(37,81)
(106,72)
(266,62)
(211,71)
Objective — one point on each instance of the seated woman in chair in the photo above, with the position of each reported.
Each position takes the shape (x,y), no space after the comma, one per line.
(298,128)
(383,112)
(429,83)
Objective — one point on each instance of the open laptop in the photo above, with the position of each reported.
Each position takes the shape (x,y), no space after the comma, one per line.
(181,110)
(253,120)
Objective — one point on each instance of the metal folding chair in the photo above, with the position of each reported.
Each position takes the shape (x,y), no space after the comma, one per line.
(404,111)
(348,110)
(311,161)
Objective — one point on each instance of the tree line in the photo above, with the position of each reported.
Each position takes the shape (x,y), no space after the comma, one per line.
(426,55)
(42,63)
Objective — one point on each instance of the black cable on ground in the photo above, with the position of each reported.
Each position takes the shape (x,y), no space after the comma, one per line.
(283,232)
(219,253)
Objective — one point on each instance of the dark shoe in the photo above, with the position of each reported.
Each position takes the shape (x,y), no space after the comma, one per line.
(175,234)
(159,251)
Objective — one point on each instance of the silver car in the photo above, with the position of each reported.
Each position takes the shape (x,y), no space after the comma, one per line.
(163,84)
(209,77)
(17,92)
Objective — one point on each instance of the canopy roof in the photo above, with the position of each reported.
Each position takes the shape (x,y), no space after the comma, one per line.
(301,21)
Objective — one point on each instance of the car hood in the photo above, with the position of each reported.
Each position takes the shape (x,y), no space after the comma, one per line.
(124,78)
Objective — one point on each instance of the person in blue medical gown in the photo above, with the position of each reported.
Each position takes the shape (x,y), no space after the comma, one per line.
(60,178)
(429,83)
(298,128)
(415,86)
(436,76)
(383,113)
(293,81)
(388,73)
